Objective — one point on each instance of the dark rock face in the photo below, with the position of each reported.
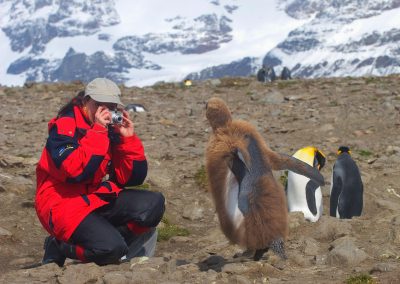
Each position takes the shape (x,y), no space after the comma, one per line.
(25,32)
(355,57)
(213,30)
(298,45)
(364,55)
(243,67)
(25,63)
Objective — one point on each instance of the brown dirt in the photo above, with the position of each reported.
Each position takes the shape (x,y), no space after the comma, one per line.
(362,113)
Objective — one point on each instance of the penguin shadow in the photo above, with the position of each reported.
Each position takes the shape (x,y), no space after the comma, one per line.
(214,262)
(217,262)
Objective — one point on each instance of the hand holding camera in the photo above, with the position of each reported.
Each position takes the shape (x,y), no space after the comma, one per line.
(119,120)
(102,116)
(125,128)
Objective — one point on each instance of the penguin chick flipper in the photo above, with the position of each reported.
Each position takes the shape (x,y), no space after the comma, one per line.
(239,166)
(285,162)
(240,171)
(278,247)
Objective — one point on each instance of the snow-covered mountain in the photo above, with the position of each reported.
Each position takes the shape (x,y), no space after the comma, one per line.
(144,41)
(340,38)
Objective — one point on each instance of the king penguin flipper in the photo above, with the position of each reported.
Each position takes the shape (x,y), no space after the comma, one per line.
(311,187)
(286,162)
(335,193)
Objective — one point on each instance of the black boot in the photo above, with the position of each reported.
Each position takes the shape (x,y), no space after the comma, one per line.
(52,252)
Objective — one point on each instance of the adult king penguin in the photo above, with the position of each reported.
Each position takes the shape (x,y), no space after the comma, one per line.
(250,203)
(347,188)
(304,194)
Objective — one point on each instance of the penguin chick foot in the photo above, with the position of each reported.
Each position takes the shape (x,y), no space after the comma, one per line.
(278,247)
(259,253)
(247,254)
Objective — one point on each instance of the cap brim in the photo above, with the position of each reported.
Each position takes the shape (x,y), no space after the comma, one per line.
(107,99)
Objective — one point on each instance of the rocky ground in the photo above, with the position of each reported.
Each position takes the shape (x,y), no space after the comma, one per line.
(363,113)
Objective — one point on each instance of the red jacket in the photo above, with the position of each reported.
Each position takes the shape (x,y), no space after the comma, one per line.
(73,167)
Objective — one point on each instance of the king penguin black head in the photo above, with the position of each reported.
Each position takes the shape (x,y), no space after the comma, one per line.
(320,157)
(343,149)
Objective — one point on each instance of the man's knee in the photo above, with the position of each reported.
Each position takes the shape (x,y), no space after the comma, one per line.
(112,253)
(155,211)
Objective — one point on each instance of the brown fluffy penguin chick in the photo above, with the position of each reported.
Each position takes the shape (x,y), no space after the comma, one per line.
(250,203)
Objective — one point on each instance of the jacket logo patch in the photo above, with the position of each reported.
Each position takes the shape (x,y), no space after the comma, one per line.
(63,149)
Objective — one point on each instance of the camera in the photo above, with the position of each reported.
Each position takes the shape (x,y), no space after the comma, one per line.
(116,117)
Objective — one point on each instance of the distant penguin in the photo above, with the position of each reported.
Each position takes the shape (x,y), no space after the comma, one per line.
(270,74)
(266,74)
(261,75)
(285,74)
(304,194)
(347,188)
(135,108)
(250,203)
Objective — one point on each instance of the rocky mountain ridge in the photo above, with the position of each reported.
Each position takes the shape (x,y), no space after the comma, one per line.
(328,45)
(51,41)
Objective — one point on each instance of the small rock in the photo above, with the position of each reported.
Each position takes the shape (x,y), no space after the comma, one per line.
(388,106)
(168,267)
(310,246)
(81,273)
(345,253)
(395,235)
(235,268)
(396,220)
(333,139)
(240,280)
(300,260)
(358,133)
(320,259)
(392,150)
(180,239)
(193,212)
(330,228)
(4,232)
(215,82)
(296,219)
(382,267)
(138,261)
(22,261)
(381,92)
(326,128)
(115,278)
(273,97)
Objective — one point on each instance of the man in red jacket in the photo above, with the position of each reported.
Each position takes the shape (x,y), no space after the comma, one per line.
(88,159)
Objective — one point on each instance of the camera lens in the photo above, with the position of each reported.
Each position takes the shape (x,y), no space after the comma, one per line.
(116,117)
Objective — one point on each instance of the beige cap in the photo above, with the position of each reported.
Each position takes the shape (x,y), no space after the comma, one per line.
(103,90)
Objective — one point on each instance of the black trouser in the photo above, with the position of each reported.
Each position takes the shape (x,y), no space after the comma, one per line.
(99,234)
